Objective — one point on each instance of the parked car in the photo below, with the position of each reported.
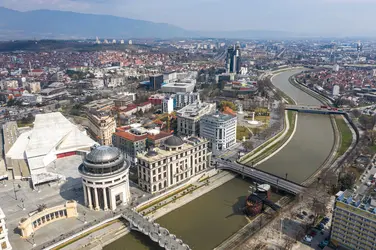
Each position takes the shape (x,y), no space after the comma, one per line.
(305,213)
(323,244)
(313,233)
(300,216)
(308,239)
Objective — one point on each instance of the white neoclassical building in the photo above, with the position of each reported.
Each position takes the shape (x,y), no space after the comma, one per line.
(105,178)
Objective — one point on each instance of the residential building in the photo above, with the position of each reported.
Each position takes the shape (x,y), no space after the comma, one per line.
(177,87)
(4,241)
(123,100)
(183,99)
(156,81)
(105,178)
(157,99)
(33,87)
(100,105)
(101,125)
(114,81)
(168,105)
(189,117)
(175,161)
(354,220)
(135,138)
(219,129)
(56,90)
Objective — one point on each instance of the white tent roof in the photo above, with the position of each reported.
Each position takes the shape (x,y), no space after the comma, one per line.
(52,134)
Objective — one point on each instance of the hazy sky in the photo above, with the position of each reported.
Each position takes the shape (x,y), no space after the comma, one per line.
(324,17)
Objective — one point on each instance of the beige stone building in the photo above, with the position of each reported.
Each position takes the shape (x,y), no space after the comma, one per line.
(101,126)
(172,163)
(39,219)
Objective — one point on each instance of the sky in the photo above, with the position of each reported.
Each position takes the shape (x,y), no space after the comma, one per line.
(317,17)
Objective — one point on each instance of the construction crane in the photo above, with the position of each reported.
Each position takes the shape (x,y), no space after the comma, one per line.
(162,116)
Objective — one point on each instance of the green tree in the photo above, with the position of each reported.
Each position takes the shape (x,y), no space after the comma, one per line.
(346,181)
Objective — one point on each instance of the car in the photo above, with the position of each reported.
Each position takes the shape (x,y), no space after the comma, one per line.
(311,217)
(300,216)
(305,213)
(313,233)
(307,239)
(326,220)
(323,244)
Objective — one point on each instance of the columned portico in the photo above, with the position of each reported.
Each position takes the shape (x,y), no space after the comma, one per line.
(105,178)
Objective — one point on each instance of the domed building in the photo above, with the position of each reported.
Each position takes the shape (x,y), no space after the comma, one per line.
(105,178)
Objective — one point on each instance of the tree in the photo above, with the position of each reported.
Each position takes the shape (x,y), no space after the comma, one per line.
(356,113)
(346,181)
(371,135)
(224,104)
(248,145)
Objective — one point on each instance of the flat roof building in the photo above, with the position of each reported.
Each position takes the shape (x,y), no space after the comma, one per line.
(175,161)
(189,117)
(354,220)
(178,87)
(219,129)
(4,241)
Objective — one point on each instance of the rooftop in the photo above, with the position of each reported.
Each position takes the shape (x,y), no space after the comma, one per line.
(161,153)
(218,117)
(362,201)
(196,109)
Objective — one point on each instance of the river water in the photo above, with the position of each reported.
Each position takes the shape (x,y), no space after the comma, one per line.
(210,219)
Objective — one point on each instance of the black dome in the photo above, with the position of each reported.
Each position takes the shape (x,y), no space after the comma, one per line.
(103,154)
(174,141)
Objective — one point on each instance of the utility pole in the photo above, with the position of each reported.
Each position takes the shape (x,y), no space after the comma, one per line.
(14,190)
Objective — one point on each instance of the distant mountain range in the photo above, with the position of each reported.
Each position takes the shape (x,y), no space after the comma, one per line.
(51,24)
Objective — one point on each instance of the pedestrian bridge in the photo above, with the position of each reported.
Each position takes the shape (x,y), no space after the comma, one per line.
(156,233)
(315,109)
(261,176)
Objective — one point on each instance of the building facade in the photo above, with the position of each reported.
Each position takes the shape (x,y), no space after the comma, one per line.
(168,105)
(233,59)
(354,221)
(185,99)
(156,81)
(132,141)
(29,225)
(174,162)
(220,130)
(101,125)
(189,117)
(4,241)
(105,178)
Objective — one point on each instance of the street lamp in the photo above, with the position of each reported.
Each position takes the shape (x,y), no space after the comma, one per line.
(277,184)
(85,217)
(14,190)
(286,175)
(33,240)
(23,204)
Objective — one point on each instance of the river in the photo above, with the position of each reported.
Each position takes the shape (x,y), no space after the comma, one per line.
(208,220)
(311,143)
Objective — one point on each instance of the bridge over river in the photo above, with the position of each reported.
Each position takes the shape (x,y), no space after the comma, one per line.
(315,109)
(156,233)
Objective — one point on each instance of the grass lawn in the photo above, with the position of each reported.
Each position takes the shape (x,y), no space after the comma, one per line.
(242,131)
(346,135)
(291,117)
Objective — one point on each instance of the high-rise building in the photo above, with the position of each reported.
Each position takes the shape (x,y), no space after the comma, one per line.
(174,162)
(354,220)
(189,117)
(219,129)
(156,81)
(233,59)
